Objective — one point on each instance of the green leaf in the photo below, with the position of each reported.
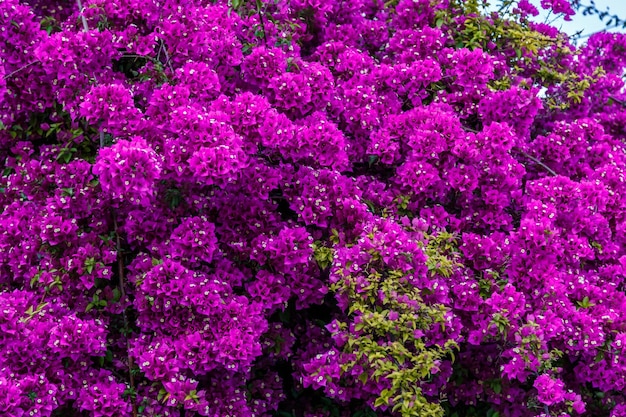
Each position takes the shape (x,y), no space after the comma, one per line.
(496,386)
(493,413)
(89,264)
(585,303)
(35,279)
(363,378)
(380,402)
(599,357)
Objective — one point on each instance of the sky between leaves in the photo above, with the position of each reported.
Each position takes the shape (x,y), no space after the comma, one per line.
(587,24)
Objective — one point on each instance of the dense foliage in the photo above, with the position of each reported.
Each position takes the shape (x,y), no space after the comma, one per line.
(309,208)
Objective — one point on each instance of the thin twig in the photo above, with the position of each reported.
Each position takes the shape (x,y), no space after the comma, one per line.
(120,270)
(469,129)
(20,69)
(167,57)
(538,162)
(618,101)
(138,56)
(258,9)
(532,158)
(82,16)
(120,267)
(158,57)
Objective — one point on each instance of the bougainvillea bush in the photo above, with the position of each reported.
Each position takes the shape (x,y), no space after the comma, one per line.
(298,208)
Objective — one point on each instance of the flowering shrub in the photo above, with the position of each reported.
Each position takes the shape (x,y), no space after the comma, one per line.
(309,208)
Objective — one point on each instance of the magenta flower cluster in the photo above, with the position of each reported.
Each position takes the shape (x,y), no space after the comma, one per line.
(184,183)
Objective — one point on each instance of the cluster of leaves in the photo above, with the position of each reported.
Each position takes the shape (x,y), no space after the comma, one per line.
(384,343)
